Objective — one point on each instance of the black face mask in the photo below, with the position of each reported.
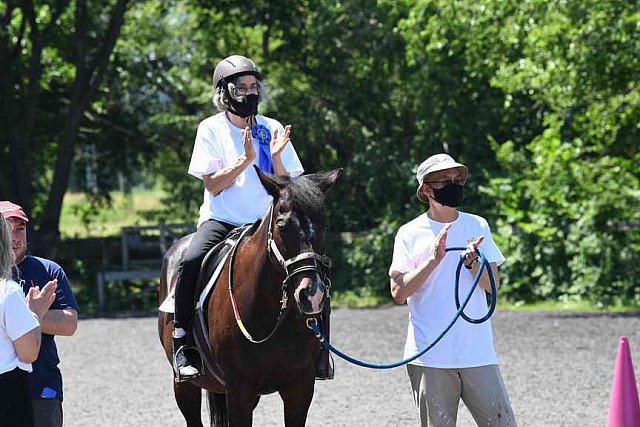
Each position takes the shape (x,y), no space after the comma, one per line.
(450,195)
(247,106)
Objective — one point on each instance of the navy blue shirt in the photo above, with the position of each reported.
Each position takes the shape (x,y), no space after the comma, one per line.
(35,271)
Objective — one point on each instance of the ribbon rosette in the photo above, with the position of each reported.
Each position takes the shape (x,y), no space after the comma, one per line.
(262,134)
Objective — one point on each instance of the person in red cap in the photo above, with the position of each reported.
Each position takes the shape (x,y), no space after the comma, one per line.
(11,210)
(60,319)
(463,364)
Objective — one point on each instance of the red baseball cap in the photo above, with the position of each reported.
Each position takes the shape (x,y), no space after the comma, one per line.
(11,210)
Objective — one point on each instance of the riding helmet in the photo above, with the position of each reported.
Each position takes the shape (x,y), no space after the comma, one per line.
(234,65)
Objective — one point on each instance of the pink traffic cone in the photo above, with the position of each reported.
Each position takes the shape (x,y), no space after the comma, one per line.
(624,408)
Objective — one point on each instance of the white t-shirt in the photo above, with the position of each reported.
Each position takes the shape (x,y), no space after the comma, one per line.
(15,320)
(432,306)
(219,145)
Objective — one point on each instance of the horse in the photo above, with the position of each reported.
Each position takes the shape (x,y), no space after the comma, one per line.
(278,260)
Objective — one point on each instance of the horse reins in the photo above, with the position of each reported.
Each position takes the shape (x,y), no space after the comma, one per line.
(321,264)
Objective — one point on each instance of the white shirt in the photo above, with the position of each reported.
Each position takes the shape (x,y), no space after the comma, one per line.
(218,145)
(432,306)
(15,320)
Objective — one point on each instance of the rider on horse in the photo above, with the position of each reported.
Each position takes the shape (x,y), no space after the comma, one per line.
(226,145)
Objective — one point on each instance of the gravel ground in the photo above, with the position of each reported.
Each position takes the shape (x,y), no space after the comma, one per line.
(558,368)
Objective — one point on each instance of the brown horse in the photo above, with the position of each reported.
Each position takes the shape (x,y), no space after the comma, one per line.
(280,258)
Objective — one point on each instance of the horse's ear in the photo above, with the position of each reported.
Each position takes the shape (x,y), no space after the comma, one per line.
(268,183)
(325,180)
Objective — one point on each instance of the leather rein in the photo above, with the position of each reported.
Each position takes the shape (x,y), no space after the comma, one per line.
(320,264)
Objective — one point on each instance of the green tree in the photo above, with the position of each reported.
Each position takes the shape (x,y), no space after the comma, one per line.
(35,46)
(566,197)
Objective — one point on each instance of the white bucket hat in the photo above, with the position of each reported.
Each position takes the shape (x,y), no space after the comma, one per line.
(437,162)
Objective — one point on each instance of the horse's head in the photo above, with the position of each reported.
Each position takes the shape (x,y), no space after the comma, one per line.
(297,234)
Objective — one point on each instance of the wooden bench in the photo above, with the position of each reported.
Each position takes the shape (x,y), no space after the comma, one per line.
(142,250)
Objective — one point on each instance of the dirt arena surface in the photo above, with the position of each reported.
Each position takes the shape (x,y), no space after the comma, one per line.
(558,368)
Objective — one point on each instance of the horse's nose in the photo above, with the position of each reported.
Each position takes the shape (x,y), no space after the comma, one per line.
(310,294)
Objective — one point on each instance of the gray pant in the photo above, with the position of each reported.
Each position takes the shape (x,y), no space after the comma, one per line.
(47,412)
(437,393)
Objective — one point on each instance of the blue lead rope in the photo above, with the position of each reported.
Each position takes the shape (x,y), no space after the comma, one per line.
(313,324)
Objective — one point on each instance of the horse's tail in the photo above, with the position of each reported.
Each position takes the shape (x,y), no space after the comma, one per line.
(217,409)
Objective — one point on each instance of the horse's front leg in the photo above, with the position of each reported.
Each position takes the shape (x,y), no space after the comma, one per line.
(241,400)
(189,400)
(297,398)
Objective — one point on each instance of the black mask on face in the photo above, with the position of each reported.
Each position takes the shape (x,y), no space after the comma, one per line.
(245,107)
(450,195)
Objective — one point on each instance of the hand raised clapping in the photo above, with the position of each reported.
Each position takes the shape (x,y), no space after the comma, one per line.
(278,144)
(39,300)
(441,243)
(247,142)
(470,255)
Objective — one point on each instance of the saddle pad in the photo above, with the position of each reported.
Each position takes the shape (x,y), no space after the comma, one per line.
(169,303)
(216,273)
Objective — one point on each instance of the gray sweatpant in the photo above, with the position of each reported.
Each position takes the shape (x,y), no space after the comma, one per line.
(437,393)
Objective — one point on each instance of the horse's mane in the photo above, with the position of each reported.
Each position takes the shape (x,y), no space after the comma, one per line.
(305,193)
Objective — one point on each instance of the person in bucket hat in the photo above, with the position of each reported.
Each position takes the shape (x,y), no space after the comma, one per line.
(463,364)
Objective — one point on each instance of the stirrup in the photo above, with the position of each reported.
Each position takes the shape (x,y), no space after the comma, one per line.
(192,351)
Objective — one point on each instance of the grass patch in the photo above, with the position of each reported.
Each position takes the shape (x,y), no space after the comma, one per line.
(363,298)
(564,306)
(81,219)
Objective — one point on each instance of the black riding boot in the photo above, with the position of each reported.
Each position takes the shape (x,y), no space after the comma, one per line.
(183,363)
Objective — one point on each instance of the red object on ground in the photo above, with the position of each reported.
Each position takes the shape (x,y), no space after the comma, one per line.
(624,408)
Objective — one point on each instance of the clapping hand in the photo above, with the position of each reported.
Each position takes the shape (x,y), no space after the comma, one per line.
(247,142)
(278,144)
(39,300)
(439,249)
(470,255)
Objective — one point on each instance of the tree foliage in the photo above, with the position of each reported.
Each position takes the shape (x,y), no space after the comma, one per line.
(58,52)
(566,197)
(540,100)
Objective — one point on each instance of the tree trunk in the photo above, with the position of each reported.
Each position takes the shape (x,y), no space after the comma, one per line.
(20,144)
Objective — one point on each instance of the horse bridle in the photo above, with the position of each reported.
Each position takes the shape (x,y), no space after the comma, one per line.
(321,264)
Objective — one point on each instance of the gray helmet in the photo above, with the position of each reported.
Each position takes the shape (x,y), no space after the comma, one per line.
(234,65)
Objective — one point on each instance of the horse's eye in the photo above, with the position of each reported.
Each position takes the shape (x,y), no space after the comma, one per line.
(281,222)
(285,206)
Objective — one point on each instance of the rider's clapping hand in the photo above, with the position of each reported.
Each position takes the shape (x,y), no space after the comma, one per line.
(247,142)
(278,144)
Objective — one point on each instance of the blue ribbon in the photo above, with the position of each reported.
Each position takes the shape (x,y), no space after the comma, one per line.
(263,135)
